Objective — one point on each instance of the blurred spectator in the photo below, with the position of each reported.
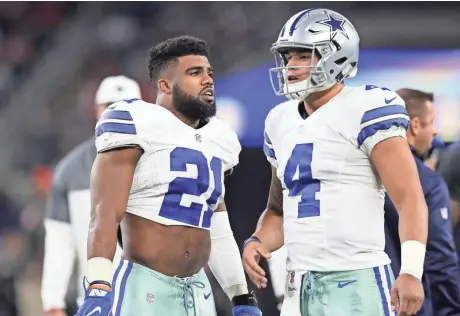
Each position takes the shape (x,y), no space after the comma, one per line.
(25,29)
(448,165)
(68,210)
(11,247)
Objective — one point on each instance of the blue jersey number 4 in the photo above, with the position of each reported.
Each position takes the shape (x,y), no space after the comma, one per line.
(171,207)
(299,180)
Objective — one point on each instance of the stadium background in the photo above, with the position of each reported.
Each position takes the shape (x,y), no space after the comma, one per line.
(54,54)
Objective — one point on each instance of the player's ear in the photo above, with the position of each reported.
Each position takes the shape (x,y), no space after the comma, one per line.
(164,86)
(414,126)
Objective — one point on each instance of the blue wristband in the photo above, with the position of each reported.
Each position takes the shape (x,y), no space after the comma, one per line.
(251,239)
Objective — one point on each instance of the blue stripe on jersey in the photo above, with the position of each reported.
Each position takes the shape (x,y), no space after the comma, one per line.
(269,152)
(267,139)
(120,128)
(116,115)
(381,126)
(383,111)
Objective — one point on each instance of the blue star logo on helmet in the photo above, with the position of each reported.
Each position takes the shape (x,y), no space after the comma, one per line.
(335,25)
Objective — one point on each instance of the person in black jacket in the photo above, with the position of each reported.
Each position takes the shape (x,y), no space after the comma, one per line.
(441,271)
(447,163)
(448,166)
(10,267)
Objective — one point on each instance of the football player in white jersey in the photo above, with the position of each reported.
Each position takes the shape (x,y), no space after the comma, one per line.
(159,176)
(333,149)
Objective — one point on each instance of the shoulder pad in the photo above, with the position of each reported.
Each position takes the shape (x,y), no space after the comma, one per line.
(121,125)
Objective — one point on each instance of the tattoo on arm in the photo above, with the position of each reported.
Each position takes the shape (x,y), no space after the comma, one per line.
(275,197)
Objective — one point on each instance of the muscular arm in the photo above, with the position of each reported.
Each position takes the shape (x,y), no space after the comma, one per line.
(111,180)
(398,172)
(221,207)
(270,226)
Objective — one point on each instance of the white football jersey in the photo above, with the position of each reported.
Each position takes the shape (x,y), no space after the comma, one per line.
(332,196)
(179,180)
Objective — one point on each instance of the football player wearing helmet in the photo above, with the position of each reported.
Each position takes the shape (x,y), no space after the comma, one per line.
(334,149)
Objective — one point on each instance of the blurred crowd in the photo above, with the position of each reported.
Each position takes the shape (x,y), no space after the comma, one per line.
(239,35)
(26,28)
(122,39)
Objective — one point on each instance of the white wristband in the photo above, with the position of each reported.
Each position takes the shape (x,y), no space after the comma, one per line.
(99,269)
(412,258)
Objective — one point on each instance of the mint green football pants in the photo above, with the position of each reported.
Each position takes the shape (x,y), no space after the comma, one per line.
(363,292)
(140,291)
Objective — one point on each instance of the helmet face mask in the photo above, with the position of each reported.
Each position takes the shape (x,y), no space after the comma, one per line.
(326,34)
(316,75)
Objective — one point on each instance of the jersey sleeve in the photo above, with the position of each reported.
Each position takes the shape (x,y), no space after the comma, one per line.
(268,147)
(231,145)
(232,159)
(121,125)
(383,116)
(235,157)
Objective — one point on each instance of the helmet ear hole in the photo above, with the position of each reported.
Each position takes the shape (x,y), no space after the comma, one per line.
(340,61)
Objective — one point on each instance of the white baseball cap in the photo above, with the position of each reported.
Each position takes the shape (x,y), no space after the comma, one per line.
(117,88)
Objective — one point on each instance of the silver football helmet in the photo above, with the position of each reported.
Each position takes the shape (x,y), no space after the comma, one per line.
(331,37)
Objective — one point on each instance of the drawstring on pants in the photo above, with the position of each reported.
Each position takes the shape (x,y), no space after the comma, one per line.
(189,298)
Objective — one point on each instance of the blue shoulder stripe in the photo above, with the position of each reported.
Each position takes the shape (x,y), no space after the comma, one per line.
(112,127)
(269,152)
(116,115)
(379,126)
(267,139)
(383,111)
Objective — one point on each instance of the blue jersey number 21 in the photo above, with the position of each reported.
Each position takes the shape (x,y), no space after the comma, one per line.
(171,207)
(299,180)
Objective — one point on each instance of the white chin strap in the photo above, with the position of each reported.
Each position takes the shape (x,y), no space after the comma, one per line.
(300,90)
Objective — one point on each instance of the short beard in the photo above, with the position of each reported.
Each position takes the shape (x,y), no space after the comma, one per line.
(192,107)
